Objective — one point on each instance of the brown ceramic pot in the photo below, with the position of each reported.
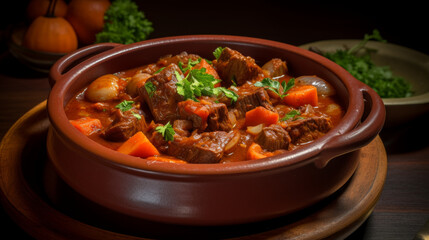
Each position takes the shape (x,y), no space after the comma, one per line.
(207,194)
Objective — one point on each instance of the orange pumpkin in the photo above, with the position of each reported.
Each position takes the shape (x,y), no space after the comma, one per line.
(87,18)
(50,34)
(37,8)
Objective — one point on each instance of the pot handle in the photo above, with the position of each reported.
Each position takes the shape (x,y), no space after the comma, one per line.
(66,63)
(373,120)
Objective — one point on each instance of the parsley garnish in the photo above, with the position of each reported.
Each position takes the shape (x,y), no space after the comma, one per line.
(190,64)
(125,105)
(274,86)
(228,93)
(379,78)
(291,115)
(150,88)
(217,52)
(159,70)
(233,81)
(138,116)
(124,23)
(199,83)
(166,131)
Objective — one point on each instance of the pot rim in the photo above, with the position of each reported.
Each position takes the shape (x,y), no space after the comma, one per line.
(297,157)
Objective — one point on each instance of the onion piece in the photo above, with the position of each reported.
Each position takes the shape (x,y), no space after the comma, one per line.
(103,88)
(255,130)
(136,82)
(232,118)
(323,87)
(230,146)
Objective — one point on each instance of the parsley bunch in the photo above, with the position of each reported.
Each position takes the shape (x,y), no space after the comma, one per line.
(379,78)
(124,23)
(293,114)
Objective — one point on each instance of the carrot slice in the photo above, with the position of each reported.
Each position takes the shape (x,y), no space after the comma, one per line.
(139,146)
(197,108)
(87,125)
(255,152)
(261,115)
(300,95)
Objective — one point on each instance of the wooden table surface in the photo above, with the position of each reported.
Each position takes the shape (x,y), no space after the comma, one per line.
(403,207)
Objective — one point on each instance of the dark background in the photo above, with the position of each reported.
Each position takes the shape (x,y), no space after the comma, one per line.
(293,22)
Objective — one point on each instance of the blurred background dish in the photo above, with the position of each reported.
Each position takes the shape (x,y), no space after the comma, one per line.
(404,62)
(37,60)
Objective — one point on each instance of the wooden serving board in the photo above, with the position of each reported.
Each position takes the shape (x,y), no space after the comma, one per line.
(46,208)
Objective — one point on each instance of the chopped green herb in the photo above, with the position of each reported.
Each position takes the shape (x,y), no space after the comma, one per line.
(159,70)
(233,81)
(124,23)
(291,115)
(217,52)
(199,83)
(288,86)
(184,88)
(166,131)
(125,105)
(361,66)
(190,64)
(150,88)
(274,86)
(138,116)
(228,93)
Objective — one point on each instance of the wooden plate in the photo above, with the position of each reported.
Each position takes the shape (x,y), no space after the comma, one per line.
(46,208)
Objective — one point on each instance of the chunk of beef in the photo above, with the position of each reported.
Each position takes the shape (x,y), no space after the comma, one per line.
(233,66)
(218,119)
(156,137)
(124,125)
(162,99)
(182,127)
(273,137)
(181,58)
(275,67)
(207,147)
(205,115)
(251,97)
(148,69)
(308,129)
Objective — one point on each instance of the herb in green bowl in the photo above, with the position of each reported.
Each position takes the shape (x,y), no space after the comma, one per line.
(358,62)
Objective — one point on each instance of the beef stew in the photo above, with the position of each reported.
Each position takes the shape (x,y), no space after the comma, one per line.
(196,110)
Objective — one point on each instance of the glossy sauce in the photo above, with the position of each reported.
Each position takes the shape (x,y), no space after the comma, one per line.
(79,107)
